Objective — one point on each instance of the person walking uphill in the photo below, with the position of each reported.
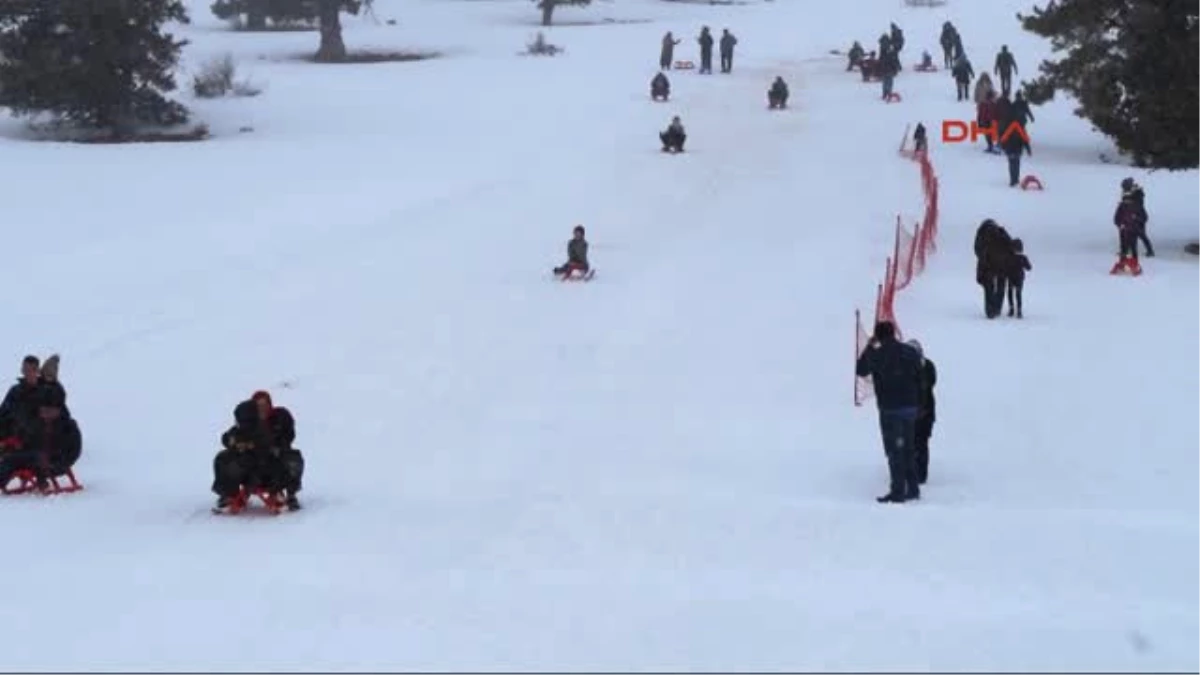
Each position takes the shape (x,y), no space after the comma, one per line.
(963,74)
(1005,67)
(728,42)
(667,56)
(706,45)
(895,372)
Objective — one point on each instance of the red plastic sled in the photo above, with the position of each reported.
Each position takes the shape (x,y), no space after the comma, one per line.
(26,481)
(270,501)
(1031,182)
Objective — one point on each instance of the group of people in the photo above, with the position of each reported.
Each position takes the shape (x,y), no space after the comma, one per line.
(257,455)
(904,380)
(37,432)
(1000,267)
(883,65)
(727,42)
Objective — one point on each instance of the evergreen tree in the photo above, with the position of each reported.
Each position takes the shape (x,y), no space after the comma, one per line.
(1132,66)
(547,7)
(102,64)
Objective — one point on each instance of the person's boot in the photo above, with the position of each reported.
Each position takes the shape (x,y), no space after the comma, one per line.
(913,494)
(1020,315)
(1010,312)
(292,503)
(1134,267)
(1120,266)
(891,498)
(224,505)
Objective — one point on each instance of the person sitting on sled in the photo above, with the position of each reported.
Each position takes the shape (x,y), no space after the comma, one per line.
(49,445)
(577,254)
(238,464)
(660,87)
(284,463)
(674,137)
(926,62)
(777,95)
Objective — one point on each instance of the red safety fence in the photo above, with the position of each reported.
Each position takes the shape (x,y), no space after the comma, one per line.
(910,253)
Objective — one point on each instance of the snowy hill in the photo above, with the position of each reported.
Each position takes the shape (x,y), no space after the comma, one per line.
(658,470)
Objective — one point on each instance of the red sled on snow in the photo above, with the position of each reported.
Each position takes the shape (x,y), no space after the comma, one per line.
(26,481)
(273,502)
(1127,265)
(574,273)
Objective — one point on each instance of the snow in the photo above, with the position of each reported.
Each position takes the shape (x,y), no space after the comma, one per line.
(659,470)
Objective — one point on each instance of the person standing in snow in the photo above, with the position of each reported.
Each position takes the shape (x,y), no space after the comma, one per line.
(1128,219)
(854,56)
(948,40)
(895,372)
(889,67)
(926,414)
(706,45)
(1138,196)
(1006,66)
(985,117)
(963,74)
(1017,265)
(993,245)
(667,56)
(728,42)
(920,142)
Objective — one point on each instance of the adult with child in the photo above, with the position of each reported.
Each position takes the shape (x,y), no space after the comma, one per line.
(895,371)
(993,246)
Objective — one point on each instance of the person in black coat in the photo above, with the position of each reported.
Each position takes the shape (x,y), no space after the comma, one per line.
(1129,188)
(706,45)
(283,464)
(1017,265)
(895,371)
(993,246)
(49,445)
(926,414)
(20,404)
(660,87)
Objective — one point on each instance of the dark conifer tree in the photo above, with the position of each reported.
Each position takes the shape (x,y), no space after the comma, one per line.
(1132,66)
(547,7)
(100,64)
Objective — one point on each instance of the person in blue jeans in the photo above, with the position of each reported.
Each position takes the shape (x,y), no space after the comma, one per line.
(895,371)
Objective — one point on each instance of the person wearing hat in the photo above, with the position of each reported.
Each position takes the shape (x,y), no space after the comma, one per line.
(49,446)
(926,414)
(1135,193)
(895,372)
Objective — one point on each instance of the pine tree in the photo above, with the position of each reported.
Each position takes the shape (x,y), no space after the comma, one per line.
(547,7)
(1132,66)
(101,64)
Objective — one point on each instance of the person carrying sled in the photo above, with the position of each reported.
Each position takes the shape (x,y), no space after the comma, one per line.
(777,95)
(926,414)
(1016,267)
(1130,220)
(1005,67)
(660,87)
(282,464)
(963,74)
(577,254)
(895,372)
(855,56)
(1138,195)
(674,136)
(49,445)
(706,46)
(667,56)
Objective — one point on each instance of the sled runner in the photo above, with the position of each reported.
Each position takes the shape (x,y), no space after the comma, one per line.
(26,481)
(271,501)
(576,275)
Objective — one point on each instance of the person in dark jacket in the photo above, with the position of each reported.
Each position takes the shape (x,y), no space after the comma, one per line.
(963,74)
(20,404)
(920,142)
(926,414)
(947,40)
(728,42)
(993,245)
(1017,265)
(238,464)
(855,56)
(895,371)
(1128,219)
(1013,144)
(674,136)
(49,445)
(869,67)
(885,44)
(777,95)
(1019,111)
(284,463)
(1006,65)
(889,67)
(896,38)
(660,87)
(1138,196)
(667,56)
(577,253)
(706,45)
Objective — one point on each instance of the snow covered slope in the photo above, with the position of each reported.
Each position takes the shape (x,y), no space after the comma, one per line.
(657,470)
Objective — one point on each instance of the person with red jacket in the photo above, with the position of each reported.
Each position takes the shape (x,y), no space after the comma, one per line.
(985,116)
(285,463)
